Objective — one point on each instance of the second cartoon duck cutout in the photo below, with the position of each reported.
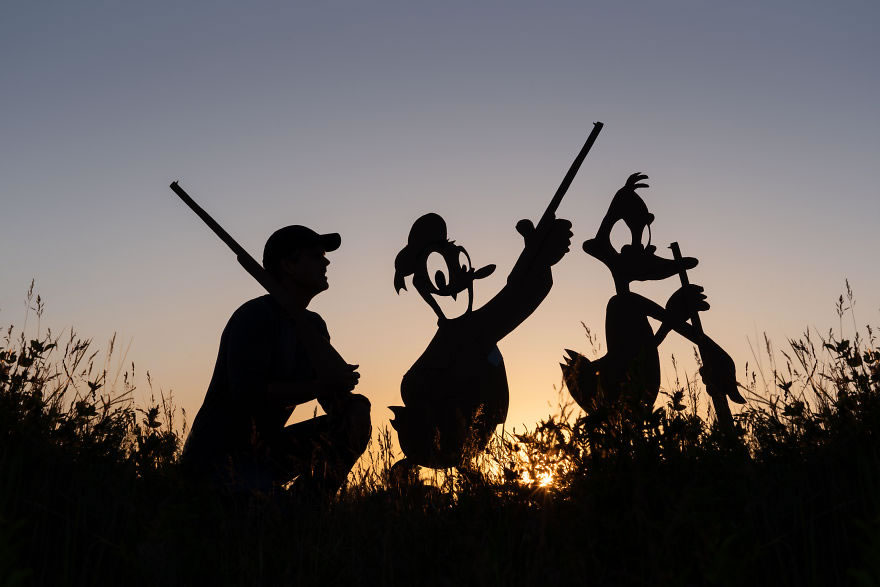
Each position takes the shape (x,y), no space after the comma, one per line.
(626,380)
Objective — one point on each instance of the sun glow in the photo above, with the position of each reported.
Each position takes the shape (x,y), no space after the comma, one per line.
(543,479)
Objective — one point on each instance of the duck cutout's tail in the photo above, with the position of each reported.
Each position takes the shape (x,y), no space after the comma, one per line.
(581,376)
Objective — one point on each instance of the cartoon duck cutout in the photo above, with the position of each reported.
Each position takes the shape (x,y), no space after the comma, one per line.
(456,393)
(626,380)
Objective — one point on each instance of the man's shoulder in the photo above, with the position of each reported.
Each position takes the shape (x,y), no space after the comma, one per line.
(256,312)
(313,315)
(317,322)
(265,312)
(262,305)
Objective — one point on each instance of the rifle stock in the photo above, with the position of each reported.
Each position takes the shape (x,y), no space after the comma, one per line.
(324,357)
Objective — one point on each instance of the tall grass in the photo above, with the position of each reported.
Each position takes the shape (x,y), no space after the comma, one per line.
(90,494)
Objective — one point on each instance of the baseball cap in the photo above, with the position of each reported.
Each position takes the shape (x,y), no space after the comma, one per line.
(290,238)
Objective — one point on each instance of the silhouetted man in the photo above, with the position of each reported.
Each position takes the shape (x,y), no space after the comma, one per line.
(263,372)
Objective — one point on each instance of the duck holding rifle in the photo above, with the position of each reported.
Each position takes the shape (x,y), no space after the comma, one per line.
(456,393)
(626,380)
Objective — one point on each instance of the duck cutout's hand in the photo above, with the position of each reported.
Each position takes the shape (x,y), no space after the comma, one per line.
(687,300)
(718,371)
(553,242)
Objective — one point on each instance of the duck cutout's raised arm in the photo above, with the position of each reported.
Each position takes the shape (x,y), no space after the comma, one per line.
(528,285)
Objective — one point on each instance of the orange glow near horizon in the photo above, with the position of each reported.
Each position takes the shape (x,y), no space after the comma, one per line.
(543,480)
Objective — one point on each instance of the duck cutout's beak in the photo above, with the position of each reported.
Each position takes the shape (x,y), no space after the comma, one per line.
(646,265)
(477,274)
(484,271)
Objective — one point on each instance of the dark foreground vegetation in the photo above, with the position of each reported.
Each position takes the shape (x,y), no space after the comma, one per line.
(90,494)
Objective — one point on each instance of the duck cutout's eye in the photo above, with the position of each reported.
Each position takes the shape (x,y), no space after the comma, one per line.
(620,235)
(464,262)
(646,236)
(438,271)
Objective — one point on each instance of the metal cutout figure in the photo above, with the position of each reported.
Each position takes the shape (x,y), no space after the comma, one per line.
(626,380)
(456,393)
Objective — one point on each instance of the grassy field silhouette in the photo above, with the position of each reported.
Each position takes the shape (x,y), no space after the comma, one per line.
(90,492)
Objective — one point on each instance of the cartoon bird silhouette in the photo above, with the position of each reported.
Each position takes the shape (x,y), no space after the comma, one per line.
(456,393)
(627,379)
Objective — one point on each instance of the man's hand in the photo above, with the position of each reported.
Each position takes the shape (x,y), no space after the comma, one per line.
(554,241)
(344,380)
(684,302)
(336,384)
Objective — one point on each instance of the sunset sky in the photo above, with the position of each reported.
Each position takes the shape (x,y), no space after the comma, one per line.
(757,123)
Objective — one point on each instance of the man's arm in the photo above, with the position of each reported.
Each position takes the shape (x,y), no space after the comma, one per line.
(249,345)
(290,394)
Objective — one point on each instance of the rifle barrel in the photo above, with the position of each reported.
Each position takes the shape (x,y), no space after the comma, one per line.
(527,257)
(550,212)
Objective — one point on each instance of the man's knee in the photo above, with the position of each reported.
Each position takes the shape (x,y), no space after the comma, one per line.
(356,420)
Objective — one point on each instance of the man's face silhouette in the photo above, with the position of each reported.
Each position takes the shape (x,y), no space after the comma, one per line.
(306,269)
